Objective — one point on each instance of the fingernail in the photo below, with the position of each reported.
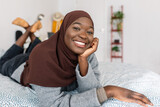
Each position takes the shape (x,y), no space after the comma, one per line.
(151,104)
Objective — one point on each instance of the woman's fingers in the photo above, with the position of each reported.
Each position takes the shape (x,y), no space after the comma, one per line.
(91,49)
(142,98)
(139,102)
(95,43)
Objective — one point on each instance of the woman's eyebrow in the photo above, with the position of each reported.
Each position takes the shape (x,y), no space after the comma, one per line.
(81,24)
(77,23)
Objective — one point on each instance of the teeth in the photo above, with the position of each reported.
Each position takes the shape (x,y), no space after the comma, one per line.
(80,43)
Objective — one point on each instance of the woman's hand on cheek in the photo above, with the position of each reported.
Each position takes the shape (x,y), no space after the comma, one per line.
(92,49)
(82,59)
(126,95)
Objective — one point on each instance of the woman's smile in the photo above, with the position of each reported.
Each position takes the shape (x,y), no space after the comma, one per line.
(80,44)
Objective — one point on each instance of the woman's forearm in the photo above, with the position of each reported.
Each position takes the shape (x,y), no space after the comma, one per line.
(83,65)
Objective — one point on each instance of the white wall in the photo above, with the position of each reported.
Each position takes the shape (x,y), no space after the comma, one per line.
(141,28)
(27,9)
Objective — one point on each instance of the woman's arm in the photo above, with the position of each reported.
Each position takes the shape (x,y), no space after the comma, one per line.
(87,71)
(91,79)
(82,59)
(55,97)
(116,92)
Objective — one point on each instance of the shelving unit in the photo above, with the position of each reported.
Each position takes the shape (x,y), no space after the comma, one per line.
(116,31)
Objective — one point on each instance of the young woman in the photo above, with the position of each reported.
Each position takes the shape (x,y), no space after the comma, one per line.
(67,62)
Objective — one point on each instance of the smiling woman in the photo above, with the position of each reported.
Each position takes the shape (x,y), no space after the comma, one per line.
(66,62)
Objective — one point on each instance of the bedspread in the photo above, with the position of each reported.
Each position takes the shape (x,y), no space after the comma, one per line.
(132,77)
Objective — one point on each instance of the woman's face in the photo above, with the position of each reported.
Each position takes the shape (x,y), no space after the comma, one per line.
(79,35)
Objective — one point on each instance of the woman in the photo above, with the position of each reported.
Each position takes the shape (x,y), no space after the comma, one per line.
(67,62)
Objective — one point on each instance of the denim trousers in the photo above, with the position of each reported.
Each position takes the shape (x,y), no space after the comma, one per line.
(14,57)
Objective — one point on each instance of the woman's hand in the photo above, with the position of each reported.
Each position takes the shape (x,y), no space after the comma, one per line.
(126,95)
(82,59)
(92,49)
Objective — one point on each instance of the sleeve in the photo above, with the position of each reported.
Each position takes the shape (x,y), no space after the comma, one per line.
(55,97)
(91,79)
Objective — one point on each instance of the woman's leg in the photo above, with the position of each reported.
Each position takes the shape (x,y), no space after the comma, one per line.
(22,39)
(14,50)
(11,65)
(12,59)
(34,42)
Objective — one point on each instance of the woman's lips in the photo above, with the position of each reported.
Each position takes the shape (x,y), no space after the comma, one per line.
(79,44)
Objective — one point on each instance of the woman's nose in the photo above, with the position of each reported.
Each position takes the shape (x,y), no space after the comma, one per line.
(83,35)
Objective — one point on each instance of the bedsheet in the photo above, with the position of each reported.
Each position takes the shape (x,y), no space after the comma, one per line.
(132,77)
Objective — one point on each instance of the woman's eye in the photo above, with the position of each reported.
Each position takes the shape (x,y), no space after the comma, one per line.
(76,28)
(90,33)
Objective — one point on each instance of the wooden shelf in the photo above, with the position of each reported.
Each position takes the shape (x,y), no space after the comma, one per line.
(116,43)
(116,30)
(116,56)
(117,18)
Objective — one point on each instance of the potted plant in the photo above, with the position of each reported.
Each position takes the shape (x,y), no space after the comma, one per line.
(116,41)
(118,14)
(119,18)
(115,50)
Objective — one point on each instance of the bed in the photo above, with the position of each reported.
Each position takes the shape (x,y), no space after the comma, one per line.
(128,76)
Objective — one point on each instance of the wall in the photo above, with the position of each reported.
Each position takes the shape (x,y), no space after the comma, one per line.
(27,9)
(141,28)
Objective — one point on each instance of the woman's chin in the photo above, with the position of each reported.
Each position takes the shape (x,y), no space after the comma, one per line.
(79,52)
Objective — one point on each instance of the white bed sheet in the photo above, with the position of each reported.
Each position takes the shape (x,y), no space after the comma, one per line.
(132,77)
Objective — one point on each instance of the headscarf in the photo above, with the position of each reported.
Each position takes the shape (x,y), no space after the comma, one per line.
(51,63)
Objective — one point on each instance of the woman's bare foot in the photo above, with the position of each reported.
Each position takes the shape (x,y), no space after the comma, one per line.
(36,26)
(20,22)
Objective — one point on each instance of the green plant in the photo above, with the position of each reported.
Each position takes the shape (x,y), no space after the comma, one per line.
(118,14)
(115,48)
(119,25)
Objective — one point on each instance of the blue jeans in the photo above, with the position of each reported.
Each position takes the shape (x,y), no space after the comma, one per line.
(14,57)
